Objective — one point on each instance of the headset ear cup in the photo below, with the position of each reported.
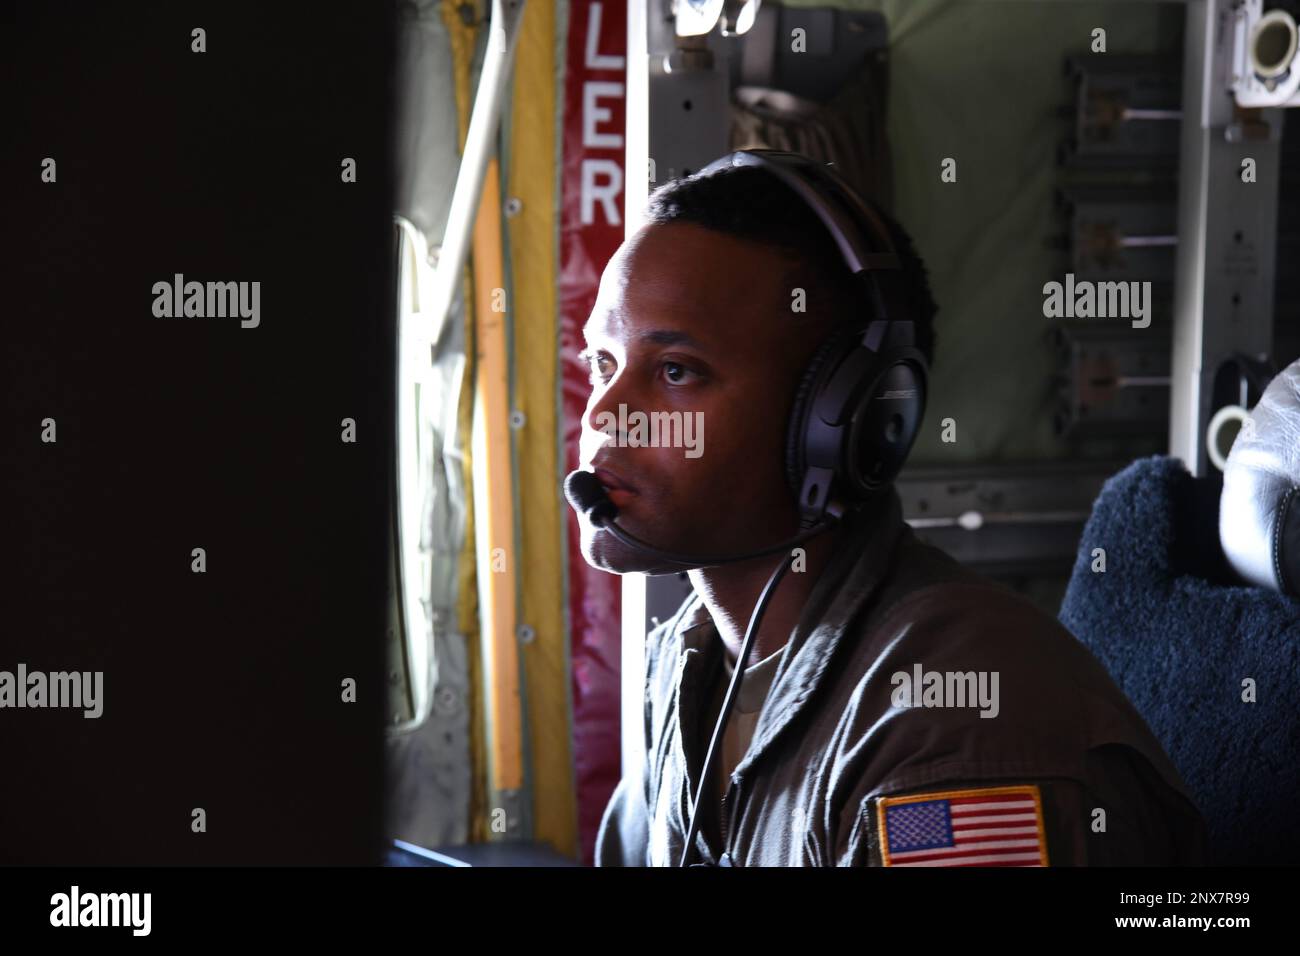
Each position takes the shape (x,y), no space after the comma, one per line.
(803,402)
(886,423)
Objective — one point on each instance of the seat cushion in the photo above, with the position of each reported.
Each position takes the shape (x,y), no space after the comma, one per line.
(1191,649)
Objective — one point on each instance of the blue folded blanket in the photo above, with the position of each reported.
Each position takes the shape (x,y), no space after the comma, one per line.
(1180,637)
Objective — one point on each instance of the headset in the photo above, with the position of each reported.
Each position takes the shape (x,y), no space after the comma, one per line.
(856,411)
(859,404)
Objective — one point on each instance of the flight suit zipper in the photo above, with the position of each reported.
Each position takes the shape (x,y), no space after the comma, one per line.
(723,818)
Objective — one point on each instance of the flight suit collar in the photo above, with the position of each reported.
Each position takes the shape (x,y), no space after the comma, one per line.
(854,572)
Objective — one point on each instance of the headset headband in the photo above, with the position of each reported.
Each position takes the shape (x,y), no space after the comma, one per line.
(794,170)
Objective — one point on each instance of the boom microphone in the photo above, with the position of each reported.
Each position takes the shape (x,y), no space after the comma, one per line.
(586,494)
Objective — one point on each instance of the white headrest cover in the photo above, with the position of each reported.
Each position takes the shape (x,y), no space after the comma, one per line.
(1259,511)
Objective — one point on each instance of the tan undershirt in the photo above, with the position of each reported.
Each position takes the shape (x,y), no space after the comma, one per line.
(744,713)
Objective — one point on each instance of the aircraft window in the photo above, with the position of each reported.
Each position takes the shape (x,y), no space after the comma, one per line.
(429,500)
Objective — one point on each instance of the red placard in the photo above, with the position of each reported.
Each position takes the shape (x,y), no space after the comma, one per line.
(591,229)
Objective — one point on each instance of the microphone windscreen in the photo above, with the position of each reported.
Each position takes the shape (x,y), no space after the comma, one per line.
(587,494)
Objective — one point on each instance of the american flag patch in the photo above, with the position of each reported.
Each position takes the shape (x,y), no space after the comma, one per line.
(989,826)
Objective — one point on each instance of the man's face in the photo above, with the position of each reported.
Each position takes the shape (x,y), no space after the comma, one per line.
(694,322)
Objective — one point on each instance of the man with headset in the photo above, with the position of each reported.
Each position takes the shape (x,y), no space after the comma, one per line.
(895,709)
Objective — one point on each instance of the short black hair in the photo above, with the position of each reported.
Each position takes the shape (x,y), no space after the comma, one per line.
(749,203)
